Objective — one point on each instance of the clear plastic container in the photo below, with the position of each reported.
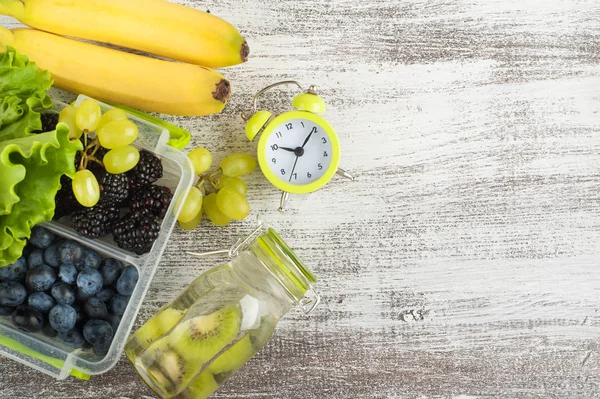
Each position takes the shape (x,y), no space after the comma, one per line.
(222,319)
(49,355)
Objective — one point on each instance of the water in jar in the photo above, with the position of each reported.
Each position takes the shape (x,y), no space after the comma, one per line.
(200,339)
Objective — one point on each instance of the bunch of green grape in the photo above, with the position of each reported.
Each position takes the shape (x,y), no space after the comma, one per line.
(113,132)
(227,201)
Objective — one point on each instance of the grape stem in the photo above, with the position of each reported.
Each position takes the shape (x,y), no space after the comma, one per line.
(211,178)
(200,185)
(86,156)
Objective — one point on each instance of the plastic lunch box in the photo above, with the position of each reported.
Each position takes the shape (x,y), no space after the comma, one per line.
(50,356)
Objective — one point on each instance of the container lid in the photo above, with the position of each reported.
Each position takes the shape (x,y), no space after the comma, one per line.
(276,238)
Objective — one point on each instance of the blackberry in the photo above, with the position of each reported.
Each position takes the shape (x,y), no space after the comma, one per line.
(96,221)
(49,122)
(65,201)
(114,189)
(136,232)
(148,170)
(153,199)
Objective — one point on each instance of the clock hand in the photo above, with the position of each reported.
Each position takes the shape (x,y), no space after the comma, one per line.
(293,169)
(308,138)
(287,149)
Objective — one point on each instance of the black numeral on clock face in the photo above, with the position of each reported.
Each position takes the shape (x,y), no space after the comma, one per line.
(308,175)
(325,154)
(274,160)
(283,172)
(324,140)
(289,126)
(274,147)
(320,166)
(278,134)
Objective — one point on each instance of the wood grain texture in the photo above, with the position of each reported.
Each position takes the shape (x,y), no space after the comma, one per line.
(464,262)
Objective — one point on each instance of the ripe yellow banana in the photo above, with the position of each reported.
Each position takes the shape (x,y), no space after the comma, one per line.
(115,76)
(154,26)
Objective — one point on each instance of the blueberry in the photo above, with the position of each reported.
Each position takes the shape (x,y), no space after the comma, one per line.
(90,259)
(80,313)
(72,338)
(95,308)
(111,270)
(36,258)
(98,332)
(106,294)
(62,318)
(126,283)
(118,304)
(49,331)
(12,294)
(101,350)
(41,278)
(63,293)
(28,319)
(67,274)
(81,297)
(15,272)
(51,256)
(89,281)
(6,310)
(113,320)
(41,302)
(41,237)
(71,252)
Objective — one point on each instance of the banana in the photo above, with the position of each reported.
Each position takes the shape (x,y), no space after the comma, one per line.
(115,76)
(154,26)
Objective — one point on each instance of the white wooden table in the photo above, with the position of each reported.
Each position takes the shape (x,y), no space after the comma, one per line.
(465,261)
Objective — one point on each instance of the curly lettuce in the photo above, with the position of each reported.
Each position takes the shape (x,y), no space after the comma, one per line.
(22,92)
(30,171)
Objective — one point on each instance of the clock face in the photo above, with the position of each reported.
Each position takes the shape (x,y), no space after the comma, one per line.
(298,151)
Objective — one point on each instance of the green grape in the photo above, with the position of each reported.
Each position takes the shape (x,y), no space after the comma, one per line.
(201,159)
(237,165)
(86,188)
(117,134)
(213,212)
(234,183)
(121,159)
(114,114)
(192,224)
(88,115)
(67,116)
(191,206)
(232,203)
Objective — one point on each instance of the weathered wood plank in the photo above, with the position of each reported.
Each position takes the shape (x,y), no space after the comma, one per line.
(464,262)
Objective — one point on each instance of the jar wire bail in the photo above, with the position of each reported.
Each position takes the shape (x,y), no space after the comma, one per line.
(311,298)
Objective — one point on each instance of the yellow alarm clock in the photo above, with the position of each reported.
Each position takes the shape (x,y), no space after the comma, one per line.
(298,151)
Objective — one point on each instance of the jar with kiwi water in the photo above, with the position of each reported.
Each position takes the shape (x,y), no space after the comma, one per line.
(222,319)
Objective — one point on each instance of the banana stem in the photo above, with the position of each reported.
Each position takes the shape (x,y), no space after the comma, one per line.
(12,8)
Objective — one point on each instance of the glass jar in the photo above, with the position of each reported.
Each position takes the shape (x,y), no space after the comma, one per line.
(222,319)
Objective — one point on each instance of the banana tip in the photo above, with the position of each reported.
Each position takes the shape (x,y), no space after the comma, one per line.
(245,51)
(222,91)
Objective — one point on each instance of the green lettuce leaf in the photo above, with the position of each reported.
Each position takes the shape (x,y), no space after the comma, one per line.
(30,171)
(22,91)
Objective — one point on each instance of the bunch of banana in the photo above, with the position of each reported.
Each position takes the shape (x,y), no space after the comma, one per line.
(153,26)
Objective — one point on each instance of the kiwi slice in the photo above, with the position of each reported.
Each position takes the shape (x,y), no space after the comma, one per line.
(234,357)
(157,326)
(169,371)
(200,338)
(201,387)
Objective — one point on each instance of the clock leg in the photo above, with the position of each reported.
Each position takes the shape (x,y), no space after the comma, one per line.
(283,201)
(345,174)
